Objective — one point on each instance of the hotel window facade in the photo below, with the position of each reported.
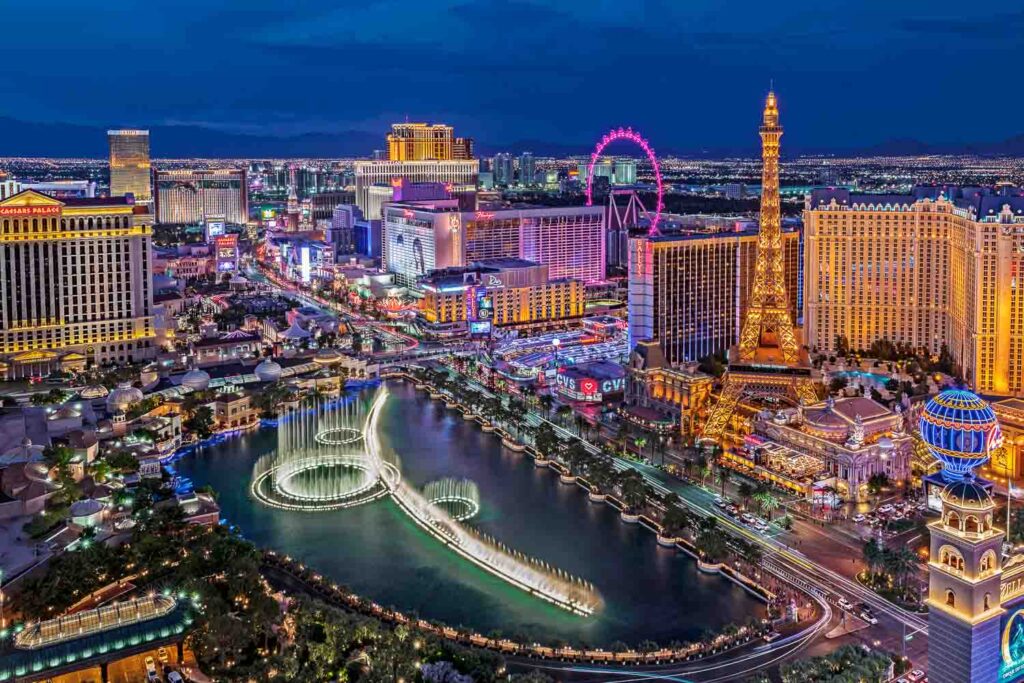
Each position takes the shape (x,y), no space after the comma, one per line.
(921,270)
(77,284)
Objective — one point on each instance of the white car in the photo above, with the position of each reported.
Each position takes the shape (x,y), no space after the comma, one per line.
(887,508)
(871,619)
(747,518)
(858,518)
(845,604)
(175,677)
(916,675)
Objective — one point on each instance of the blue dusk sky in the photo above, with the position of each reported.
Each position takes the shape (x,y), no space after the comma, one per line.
(687,73)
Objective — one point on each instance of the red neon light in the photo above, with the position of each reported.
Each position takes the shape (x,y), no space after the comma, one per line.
(30,210)
(588,386)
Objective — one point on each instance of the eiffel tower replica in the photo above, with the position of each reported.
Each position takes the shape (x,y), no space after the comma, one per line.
(769,360)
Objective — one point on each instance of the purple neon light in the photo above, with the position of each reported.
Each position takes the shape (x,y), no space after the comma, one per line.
(635,138)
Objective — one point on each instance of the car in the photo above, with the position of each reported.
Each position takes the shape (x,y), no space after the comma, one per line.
(150,666)
(858,518)
(885,509)
(870,618)
(845,604)
(732,509)
(175,677)
(773,636)
(916,676)
(163,655)
(747,518)
(761,525)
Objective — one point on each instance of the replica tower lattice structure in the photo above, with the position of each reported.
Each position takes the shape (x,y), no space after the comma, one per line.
(768,359)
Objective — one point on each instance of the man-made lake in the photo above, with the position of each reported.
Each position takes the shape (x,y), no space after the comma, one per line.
(649,592)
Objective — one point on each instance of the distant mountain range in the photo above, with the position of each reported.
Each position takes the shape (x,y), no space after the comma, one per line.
(23,138)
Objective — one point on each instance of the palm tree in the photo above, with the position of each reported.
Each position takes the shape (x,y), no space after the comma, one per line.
(703,469)
(563,413)
(710,541)
(767,502)
(546,401)
(545,441)
(675,521)
(601,475)
(634,489)
(874,554)
(746,490)
(577,456)
(899,564)
(724,476)
(752,554)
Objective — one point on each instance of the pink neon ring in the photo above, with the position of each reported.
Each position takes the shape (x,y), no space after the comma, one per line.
(634,137)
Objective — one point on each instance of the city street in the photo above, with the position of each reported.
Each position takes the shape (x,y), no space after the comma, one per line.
(808,555)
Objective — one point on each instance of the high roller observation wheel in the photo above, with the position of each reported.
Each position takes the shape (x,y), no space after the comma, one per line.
(634,137)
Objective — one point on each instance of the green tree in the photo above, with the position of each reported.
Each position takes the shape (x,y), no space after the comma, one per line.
(710,541)
(201,422)
(767,502)
(877,482)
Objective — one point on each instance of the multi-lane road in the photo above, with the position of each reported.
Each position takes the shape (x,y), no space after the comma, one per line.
(783,558)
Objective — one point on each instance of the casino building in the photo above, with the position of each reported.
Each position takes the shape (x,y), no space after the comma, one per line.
(937,266)
(76,279)
(975,597)
(422,236)
(502,293)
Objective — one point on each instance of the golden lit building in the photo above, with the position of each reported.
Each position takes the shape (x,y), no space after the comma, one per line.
(938,266)
(76,280)
(427,142)
(1008,461)
(689,292)
(129,164)
(508,293)
(661,398)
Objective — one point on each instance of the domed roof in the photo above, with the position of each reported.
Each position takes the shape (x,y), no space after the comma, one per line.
(86,507)
(967,495)
(196,379)
(885,443)
(960,430)
(327,356)
(123,397)
(66,412)
(93,391)
(268,371)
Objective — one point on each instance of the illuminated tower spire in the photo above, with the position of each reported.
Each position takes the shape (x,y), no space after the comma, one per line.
(768,322)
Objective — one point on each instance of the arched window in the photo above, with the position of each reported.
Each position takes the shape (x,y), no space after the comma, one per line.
(953,520)
(951,557)
(950,598)
(985,606)
(971,525)
(988,562)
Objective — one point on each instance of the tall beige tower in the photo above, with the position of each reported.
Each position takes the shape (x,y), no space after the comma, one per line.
(129,164)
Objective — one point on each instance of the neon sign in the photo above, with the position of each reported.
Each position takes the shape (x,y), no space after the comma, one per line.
(30,210)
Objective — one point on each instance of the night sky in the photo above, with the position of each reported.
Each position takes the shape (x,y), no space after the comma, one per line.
(688,73)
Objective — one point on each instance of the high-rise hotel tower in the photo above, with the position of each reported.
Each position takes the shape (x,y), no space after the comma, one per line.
(75,283)
(129,164)
(940,266)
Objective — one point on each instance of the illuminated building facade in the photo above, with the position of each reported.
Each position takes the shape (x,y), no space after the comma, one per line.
(190,196)
(975,592)
(427,142)
(938,266)
(504,293)
(661,398)
(129,164)
(690,292)
(461,175)
(77,283)
(422,236)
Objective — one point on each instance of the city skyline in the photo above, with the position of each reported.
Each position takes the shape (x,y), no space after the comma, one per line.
(850,95)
